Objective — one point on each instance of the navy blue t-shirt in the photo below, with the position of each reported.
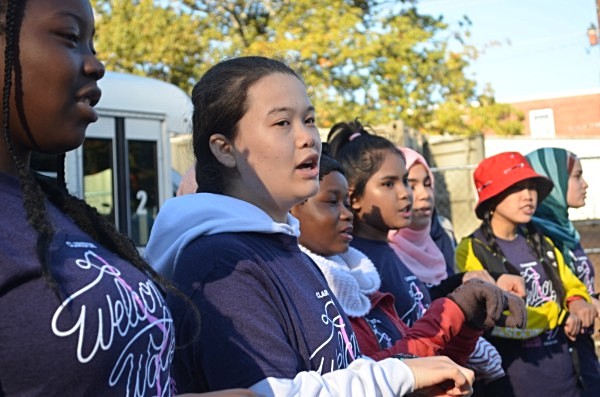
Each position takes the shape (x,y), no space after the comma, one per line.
(411,295)
(111,335)
(583,268)
(386,332)
(266,311)
(541,365)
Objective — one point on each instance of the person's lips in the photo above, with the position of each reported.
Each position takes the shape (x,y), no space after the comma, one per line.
(347,233)
(89,97)
(309,167)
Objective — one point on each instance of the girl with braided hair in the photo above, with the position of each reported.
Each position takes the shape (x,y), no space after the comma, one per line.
(81,312)
(537,359)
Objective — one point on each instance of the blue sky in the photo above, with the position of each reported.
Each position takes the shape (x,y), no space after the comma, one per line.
(541,47)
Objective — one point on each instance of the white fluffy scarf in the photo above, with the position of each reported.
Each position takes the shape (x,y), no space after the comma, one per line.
(351,276)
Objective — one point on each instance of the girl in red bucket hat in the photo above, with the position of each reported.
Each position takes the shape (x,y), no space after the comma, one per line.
(536,359)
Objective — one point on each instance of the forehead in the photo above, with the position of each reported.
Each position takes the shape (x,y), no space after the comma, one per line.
(80,9)
(392,164)
(334,181)
(277,92)
(418,170)
(576,165)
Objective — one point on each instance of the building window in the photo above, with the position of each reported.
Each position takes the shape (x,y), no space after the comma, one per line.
(541,123)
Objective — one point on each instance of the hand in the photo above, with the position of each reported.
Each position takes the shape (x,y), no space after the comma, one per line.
(596,304)
(480,274)
(440,376)
(512,283)
(483,303)
(572,326)
(518,312)
(585,311)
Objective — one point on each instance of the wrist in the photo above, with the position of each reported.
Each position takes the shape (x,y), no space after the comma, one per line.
(496,275)
(574,298)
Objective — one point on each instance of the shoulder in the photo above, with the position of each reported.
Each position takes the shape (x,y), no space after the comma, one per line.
(256,255)
(223,249)
(465,243)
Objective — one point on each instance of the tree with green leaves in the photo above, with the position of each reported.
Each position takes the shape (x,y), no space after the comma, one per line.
(379,60)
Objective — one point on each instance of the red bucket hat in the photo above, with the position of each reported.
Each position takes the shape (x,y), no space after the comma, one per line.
(497,173)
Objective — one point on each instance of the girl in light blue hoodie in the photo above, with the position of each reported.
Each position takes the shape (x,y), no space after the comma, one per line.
(269,321)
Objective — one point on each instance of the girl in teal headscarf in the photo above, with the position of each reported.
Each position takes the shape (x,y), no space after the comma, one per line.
(552,217)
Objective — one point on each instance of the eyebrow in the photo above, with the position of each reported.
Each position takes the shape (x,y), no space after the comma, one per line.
(286,109)
(68,13)
(415,179)
(390,177)
(336,191)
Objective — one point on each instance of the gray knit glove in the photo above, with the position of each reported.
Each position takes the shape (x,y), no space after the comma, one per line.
(483,304)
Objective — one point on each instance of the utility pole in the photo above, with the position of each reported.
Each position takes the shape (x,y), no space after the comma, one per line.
(594,30)
(598,20)
(598,13)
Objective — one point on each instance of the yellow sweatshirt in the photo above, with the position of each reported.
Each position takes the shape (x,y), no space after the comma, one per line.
(548,315)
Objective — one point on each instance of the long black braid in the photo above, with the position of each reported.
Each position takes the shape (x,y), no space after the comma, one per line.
(490,239)
(541,247)
(537,244)
(33,198)
(37,188)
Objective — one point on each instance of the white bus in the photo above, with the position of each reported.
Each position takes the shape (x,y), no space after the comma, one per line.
(124,166)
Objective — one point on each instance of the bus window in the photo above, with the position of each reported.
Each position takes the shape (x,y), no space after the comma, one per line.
(98,176)
(143,193)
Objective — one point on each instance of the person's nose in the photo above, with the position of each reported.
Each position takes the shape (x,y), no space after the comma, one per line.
(308,137)
(93,67)
(404,192)
(346,214)
(421,193)
(529,193)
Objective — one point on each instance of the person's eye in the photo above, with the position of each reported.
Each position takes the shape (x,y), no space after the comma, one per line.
(388,184)
(310,121)
(282,123)
(70,37)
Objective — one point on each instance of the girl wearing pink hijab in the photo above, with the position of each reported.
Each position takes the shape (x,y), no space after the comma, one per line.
(414,244)
(417,249)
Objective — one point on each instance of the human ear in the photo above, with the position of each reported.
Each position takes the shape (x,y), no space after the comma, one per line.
(222,149)
(354,202)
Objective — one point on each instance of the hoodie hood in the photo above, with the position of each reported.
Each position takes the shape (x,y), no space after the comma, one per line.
(185,218)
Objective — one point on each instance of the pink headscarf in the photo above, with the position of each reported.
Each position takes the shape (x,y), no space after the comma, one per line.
(416,248)
(188,182)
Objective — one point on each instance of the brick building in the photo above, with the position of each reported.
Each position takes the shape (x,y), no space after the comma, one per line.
(575,114)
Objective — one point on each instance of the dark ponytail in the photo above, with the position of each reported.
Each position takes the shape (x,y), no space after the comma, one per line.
(360,152)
